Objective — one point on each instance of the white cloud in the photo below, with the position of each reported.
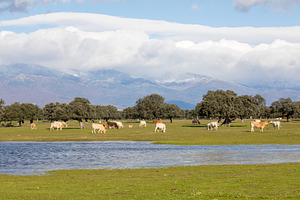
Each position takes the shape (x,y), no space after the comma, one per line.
(279,5)
(158,29)
(244,55)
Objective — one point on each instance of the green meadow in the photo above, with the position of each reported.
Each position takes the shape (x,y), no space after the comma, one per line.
(269,181)
(181,132)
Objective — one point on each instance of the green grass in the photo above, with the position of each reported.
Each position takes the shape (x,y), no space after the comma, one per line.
(181,132)
(278,181)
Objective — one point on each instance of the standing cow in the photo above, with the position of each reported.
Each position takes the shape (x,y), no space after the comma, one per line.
(260,125)
(57,125)
(276,124)
(143,123)
(160,126)
(212,125)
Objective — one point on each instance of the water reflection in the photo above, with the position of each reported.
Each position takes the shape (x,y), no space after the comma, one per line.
(37,157)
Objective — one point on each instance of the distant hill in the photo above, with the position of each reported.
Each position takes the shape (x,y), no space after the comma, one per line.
(40,85)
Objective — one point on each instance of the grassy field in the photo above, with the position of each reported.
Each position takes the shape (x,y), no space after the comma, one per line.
(181,132)
(280,181)
(277,181)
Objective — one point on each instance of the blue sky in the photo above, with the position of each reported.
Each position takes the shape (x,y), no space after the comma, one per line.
(214,13)
(251,42)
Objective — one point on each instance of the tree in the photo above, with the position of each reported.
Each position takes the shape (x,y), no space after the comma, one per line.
(263,111)
(30,111)
(248,106)
(171,111)
(13,112)
(150,106)
(80,109)
(2,103)
(50,111)
(130,113)
(284,107)
(220,104)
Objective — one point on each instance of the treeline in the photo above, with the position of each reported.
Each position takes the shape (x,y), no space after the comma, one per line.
(219,104)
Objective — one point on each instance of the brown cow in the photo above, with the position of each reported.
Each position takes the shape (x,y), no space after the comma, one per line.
(157,121)
(112,125)
(260,125)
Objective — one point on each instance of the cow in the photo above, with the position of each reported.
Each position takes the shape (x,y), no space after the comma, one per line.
(130,126)
(276,124)
(33,126)
(143,123)
(120,124)
(257,120)
(212,125)
(57,125)
(65,124)
(157,121)
(160,126)
(81,124)
(98,127)
(196,121)
(260,125)
(112,125)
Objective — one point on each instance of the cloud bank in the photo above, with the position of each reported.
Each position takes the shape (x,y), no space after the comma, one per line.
(265,57)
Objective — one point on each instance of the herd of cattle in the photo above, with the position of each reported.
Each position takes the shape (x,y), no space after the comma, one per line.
(254,124)
(101,127)
(159,125)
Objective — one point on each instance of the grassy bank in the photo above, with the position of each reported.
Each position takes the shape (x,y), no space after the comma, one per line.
(278,181)
(179,132)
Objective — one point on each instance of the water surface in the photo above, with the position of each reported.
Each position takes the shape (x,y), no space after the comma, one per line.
(26,158)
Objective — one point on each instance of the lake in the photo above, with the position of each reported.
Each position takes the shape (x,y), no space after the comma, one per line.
(29,158)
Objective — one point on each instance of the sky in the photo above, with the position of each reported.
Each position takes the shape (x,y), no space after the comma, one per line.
(250,42)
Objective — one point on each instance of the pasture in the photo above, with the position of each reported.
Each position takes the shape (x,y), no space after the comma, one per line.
(270,181)
(180,132)
(280,181)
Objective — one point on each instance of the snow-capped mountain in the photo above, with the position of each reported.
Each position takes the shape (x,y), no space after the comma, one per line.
(40,85)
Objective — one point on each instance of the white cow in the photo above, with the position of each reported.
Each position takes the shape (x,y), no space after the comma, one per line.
(143,123)
(57,125)
(98,127)
(160,126)
(212,125)
(276,124)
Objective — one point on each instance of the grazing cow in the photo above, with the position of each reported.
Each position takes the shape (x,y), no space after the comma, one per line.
(212,125)
(160,126)
(143,123)
(157,121)
(276,124)
(65,124)
(260,125)
(196,121)
(98,127)
(112,125)
(57,125)
(120,124)
(130,126)
(33,126)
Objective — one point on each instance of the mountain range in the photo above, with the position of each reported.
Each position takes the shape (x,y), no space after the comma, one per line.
(40,85)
